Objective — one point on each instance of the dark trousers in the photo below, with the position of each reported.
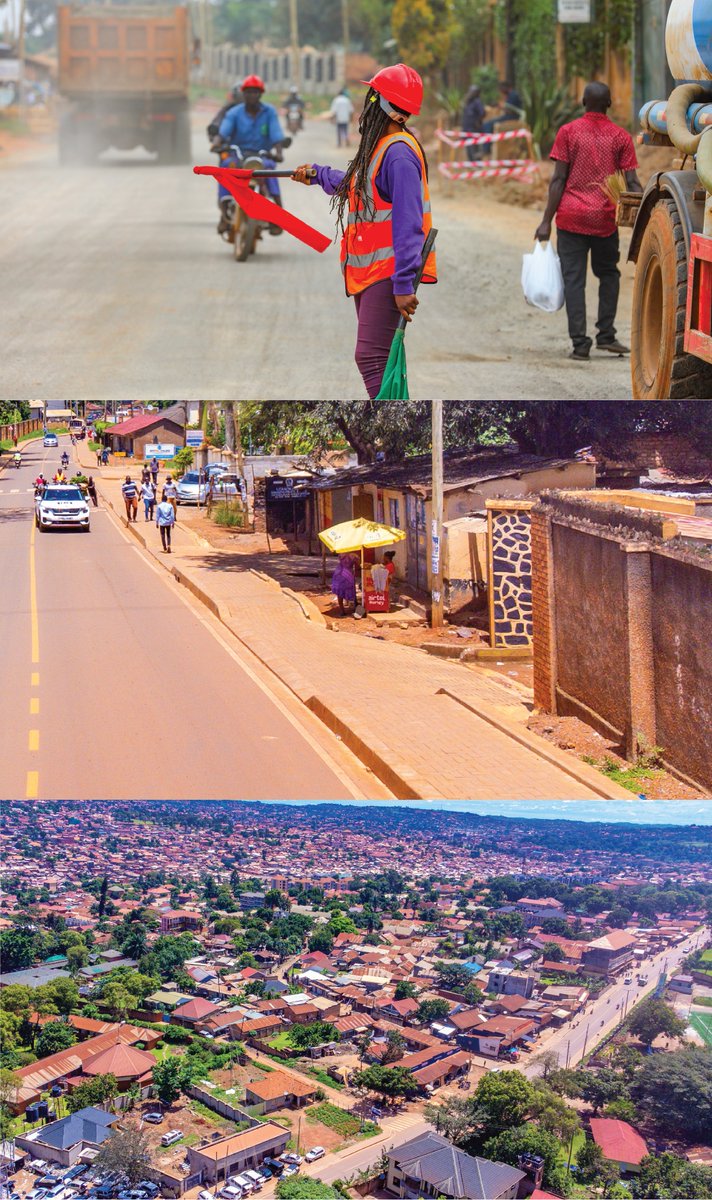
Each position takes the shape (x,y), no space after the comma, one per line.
(573,250)
(378,319)
(166,536)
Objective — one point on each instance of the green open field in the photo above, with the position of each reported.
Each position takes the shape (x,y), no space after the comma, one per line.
(702,1024)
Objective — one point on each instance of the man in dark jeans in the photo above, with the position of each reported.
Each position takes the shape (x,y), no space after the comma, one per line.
(586,153)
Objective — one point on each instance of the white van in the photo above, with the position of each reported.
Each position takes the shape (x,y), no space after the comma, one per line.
(170,1138)
(256,1179)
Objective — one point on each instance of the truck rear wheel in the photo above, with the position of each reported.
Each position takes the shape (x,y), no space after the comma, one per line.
(660,368)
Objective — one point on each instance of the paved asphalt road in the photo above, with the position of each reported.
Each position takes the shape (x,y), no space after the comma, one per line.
(116,286)
(578,1038)
(133,696)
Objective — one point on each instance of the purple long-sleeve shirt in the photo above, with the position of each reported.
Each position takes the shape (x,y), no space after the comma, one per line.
(399,181)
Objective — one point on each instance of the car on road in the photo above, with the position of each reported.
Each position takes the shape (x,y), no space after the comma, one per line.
(50,439)
(293,1159)
(315,1153)
(628,979)
(193,487)
(62,504)
(153,1118)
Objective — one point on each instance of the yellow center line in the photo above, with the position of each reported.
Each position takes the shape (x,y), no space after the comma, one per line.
(33,739)
(35,680)
(32,787)
(33,600)
(34,705)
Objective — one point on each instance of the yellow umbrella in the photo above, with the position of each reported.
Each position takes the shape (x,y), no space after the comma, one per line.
(352,537)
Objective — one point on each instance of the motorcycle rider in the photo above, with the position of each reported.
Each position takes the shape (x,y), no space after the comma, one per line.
(17,458)
(234,97)
(253,126)
(294,101)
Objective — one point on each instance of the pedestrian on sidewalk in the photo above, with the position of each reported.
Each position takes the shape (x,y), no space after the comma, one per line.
(145,473)
(165,520)
(91,489)
(154,473)
(105,456)
(382,205)
(148,495)
(586,152)
(170,492)
(343,582)
(129,491)
(98,457)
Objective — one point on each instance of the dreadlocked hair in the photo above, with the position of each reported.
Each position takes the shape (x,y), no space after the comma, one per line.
(373,125)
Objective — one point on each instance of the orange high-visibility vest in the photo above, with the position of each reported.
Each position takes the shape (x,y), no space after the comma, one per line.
(367,245)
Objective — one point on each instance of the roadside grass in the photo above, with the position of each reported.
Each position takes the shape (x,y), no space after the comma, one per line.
(703,1001)
(631,777)
(229,516)
(342,1122)
(322,1077)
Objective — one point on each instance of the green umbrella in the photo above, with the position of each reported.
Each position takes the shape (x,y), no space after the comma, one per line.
(394,385)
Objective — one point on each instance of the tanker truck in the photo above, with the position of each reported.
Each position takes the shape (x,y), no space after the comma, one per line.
(124,74)
(671,243)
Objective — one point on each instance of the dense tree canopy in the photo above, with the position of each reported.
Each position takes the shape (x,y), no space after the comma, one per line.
(653,1017)
(675,1090)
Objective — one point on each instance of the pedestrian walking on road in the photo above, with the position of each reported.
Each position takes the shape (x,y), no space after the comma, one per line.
(342,111)
(98,457)
(165,520)
(148,495)
(586,152)
(154,472)
(91,489)
(129,491)
(382,204)
(170,492)
(473,115)
(105,456)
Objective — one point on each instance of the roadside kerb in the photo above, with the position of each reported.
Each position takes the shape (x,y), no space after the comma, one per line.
(579,771)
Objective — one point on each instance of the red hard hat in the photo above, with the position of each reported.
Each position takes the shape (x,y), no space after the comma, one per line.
(253,81)
(399,84)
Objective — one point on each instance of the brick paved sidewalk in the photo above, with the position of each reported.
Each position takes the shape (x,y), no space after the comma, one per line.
(429,728)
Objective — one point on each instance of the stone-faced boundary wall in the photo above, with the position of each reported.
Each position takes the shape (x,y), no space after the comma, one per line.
(510,572)
(622,628)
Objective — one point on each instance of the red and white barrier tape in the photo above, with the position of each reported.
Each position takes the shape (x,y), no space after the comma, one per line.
(522,168)
(458,138)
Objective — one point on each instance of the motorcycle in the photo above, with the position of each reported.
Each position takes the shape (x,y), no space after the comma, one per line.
(295,118)
(244,232)
(17,462)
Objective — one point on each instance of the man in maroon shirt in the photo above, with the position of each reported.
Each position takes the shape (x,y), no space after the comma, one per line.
(586,152)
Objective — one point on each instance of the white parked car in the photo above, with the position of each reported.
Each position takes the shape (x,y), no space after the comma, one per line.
(61,504)
(315,1153)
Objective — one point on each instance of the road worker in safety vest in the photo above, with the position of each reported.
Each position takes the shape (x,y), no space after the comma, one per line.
(382,204)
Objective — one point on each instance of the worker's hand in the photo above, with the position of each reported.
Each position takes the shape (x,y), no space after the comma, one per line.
(543,232)
(300,174)
(407,305)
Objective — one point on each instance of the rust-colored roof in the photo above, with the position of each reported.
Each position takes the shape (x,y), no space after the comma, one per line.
(250,1139)
(618,1140)
(125,1062)
(277,1084)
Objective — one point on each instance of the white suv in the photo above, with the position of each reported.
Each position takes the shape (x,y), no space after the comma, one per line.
(61,504)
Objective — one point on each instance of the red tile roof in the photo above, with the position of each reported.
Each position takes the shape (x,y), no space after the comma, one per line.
(618,1140)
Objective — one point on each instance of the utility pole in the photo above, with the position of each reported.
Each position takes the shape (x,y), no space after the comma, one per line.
(21,57)
(345,34)
(294,41)
(436,529)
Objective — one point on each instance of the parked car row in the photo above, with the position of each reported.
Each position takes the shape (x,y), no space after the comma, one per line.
(81,1180)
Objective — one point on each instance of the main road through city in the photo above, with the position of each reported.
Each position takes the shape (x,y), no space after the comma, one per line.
(116,684)
(116,287)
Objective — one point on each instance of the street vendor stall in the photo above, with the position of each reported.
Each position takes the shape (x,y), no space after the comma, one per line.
(355,537)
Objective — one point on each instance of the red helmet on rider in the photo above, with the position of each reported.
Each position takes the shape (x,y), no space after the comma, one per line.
(401,85)
(253,81)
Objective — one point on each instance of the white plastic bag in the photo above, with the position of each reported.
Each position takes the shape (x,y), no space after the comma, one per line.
(542,281)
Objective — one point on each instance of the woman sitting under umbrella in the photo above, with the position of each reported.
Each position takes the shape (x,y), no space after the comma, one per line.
(343,582)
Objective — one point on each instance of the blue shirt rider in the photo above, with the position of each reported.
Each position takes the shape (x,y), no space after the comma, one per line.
(253,126)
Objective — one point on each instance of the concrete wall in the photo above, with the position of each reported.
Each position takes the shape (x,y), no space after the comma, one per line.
(621,628)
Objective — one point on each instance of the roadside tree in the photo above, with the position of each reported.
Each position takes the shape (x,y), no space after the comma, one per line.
(674,1091)
(669,1177)
(653,1017)
(126,1154)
